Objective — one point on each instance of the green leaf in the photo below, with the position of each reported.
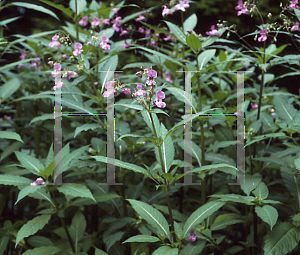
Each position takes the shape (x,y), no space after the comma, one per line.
(99,252)
(219,167)
(49,250)
(27,190)
(142,239)
(204,57)
(268,214)
(201,214)
(86,127)
(10,149)
(165,250)
(255,179)
(47,116)
(74,156)
(76,190)
(151,139)
(263,137)
(3,244)
(49,170)
(12,65)
(30,163)
(111,239)
(167,150)
(131,106)
(178,230)
(36,8)
(31,227)
(193,249)
(285,111)
(179,94)
(81,6)
(125,165)
(291,182)
(193,42)
(297,162)
(282,240)
(152,216)
(9,88)
(14,180)
(235,198)
(176,32)
(59,7)
(176,214)
(147,118)
(223,224)
(108,65)
(261,192)
(72,104)
(10,135)
(77,228)
(297,12)
(190,23)
(50,156)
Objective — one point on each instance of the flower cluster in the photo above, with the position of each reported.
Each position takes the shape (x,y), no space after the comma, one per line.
(213,32)
(193,237)
(39,181)
(241,8)
(294,5)
(55,42)
(104,44)
(78,49)
(181,6)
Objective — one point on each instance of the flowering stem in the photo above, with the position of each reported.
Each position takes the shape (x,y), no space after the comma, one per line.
(76,23)
(63,223)
(166,190)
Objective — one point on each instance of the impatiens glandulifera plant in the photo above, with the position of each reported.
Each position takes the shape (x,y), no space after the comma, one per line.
(83,217)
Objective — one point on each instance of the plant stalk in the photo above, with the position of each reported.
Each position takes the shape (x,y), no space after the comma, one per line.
(76,23)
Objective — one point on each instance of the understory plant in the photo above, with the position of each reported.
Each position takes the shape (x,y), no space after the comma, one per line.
(172,91)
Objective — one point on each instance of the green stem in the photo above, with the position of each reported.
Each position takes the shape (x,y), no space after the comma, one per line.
(166,182)
(183,50)
(76,23)
(63,223)
(255,231)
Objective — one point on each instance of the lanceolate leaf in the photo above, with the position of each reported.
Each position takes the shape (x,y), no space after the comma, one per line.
(27,190)
(32,226)
(152,216)
(200,214)
(76,190)
(147,118)
(72,156)
(177,32)
(9,88)
(283,239)
(30,162)
(268,214)
(49,250)
(142,239)
(15,180)
(86,127)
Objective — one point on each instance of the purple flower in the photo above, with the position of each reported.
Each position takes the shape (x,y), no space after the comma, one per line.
(110,89)
(95,21)
(148,32)
(253,105)
(140,17)
(126,45)
(166,11)
(57,67)
(213,32)
(78,49)
(158,100)
(192,238)
(182,5)
(294,5)
(123,32)
(141,91)
(152,42)
(141,30)
(8,117)
(151,75)
(168,77)
(263,36)
(55,42)
(118,19)
(116,27)
(39,181)
(106,21)
(127,92)
(139,74)
(104,44)
(23,55)
(115,10)
(242,9)
(65,56)
(295,27)
(83,22)
(72,75)
(160,94)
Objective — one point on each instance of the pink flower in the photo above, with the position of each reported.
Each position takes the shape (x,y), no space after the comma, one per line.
(148,32)
(192,238)
(140,17)
(72,75)
(295,27)
(39,181)
(96,83)
(141,30)
(65,56)
(242,9)
(104,44)
(123,32)
(89,43)
(238,113)
(263,36)
(213,32)
(116,27)
(253,105)
(182,5)
(95,21)
(127,92)
(169,77)
(106,21)
(23,55)
(8,117)
(166,11)
(20,65)
(55,42)
(118,19)
(50,63)
(83,22)
(126,45)
(110,89)
(115,10)
(78,49)
(57,67)
(160,94)
(139,74)
(294,5)
(141,91)
(152,42)
(151,75)
(158,100)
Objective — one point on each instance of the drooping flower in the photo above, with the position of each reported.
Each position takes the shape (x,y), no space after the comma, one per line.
(193,237)
(39,181)
(115,10)
(123,32)
(78,49)
(213,32)
(139,74)
(151,75)
(253,105)
(166,11)
(294,5)
(127,91)
(83,22)
(126,45)
(72,75)
(158,100)
(141,91)
(104,44)
(110,86)
(95,21)
(106,21)
(263,35)
(242,8)
(140,17)
(55,42)
(295,27)
(23,55)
